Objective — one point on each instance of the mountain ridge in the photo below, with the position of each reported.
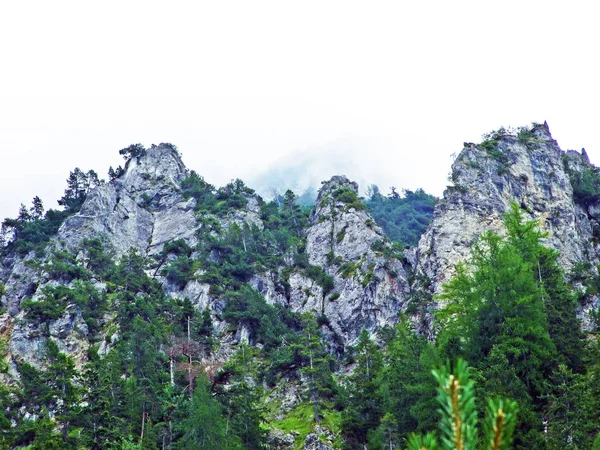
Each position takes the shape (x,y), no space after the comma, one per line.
(219,248)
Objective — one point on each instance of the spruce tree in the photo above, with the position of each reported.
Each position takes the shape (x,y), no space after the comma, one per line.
(203,427)
(496,318)
(364,407)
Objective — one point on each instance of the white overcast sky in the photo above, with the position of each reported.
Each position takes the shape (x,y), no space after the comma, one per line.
(385,91)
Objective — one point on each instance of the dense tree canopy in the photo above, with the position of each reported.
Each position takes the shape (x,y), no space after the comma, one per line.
(403,218)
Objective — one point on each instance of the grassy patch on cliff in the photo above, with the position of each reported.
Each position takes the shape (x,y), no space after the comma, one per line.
(300,420)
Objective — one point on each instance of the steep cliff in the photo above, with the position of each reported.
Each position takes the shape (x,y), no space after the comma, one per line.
(161,276)
(141,209)
(526,167)
(145,208)
(368,279)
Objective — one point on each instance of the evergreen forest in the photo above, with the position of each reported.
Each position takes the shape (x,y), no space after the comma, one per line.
(505,362)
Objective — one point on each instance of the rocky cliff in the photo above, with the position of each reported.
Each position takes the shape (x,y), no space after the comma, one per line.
(338,265)
(144,208)
(141,209)
(528,168)
(369,286)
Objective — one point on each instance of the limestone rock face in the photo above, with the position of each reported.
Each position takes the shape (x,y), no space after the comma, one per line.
(313,442)
(339,227)
(370,281)
(354,278)
(530,171)
(370,285)
(70,332)
(142,209)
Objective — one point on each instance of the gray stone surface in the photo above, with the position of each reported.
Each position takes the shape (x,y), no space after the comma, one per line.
(142,209)
(482,191)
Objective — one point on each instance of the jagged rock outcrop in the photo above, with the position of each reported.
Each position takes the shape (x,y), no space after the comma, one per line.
(340,266)
(369,280)
(529,169)
(141,209)
(313,442)
(144,208)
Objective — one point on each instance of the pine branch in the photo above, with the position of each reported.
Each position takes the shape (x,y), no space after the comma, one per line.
(500,423)
(427,442)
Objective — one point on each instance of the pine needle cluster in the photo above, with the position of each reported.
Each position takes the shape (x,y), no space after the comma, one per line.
(459,425)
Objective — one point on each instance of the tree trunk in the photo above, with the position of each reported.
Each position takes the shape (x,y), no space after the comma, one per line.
(189,351)
(143,424)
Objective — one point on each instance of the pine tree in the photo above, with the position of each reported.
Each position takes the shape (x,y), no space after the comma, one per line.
(496,318)
(77,187)
(564,327)
(364,408)
(24,215)
(203,427)
(242,399)
(133,151)
(407,388)
(37,209)
(316,364)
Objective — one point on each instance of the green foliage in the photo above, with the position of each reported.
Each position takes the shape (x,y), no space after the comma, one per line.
(32,232)
(133,151)
(195,187)
(497,135)
(407,390)
(394,250)
(490,144)
(53,389)
(204,427)
(180,270)
(526,134)
(316,365)
(511,314)
(319,276)
(499,305)
(571,418)
(96,258)
(364,406)
(220,201)
(63,266)
(427,442)
(79,184)
(349,269)
(270,324)
(403,219)
(559,300)
(349,197)
(50,306)
(113,174)
(585,181)
(333,297)
(458,428)
(499,424)
(456,396)
(300,422)
(242,399)
(55,299)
